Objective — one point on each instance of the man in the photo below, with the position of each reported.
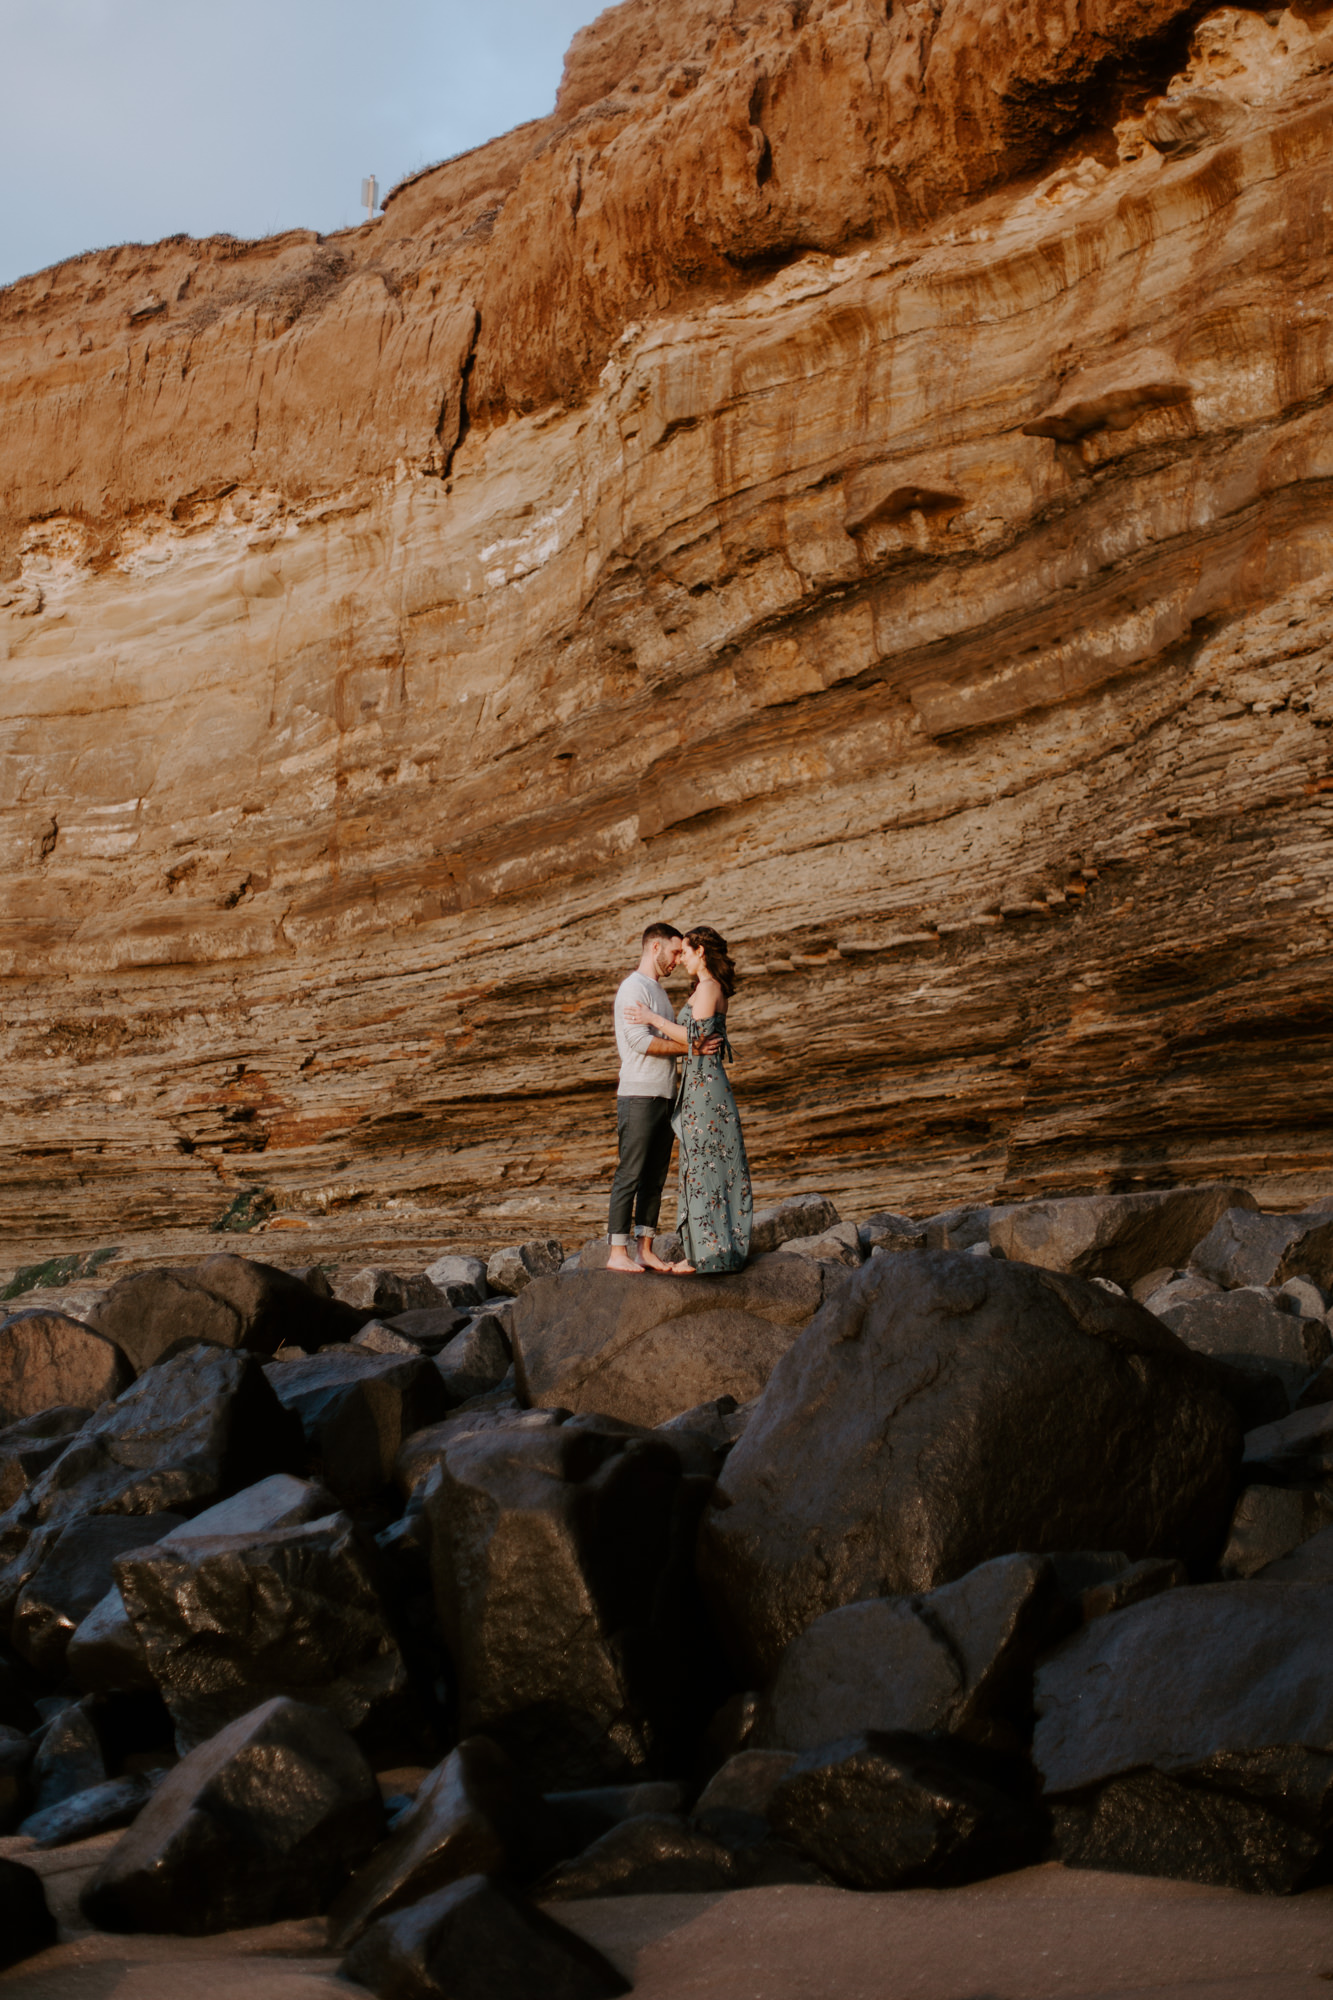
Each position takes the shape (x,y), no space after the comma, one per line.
(645,1096)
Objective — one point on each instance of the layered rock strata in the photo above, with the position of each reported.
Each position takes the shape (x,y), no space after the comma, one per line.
(859,481)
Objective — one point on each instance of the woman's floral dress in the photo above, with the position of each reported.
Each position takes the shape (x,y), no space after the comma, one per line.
(714,1206)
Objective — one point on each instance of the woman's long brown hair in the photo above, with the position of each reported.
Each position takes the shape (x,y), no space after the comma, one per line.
(716,957)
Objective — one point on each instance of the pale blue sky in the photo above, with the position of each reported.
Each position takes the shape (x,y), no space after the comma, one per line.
(127,120)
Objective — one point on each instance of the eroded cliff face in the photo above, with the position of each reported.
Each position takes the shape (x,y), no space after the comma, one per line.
(861,477)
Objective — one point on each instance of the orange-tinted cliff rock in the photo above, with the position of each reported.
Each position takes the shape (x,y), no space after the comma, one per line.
(855,474)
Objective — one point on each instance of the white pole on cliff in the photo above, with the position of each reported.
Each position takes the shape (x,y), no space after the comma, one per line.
(370,194)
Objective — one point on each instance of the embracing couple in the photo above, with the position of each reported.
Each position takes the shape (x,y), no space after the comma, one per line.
(713,1203)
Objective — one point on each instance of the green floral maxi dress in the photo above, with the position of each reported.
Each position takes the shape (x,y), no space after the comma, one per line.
(714,1206)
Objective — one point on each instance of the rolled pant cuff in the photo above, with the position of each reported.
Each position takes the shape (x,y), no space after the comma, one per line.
(619,1242)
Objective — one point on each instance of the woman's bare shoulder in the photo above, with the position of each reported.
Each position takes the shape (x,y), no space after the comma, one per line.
(707,999)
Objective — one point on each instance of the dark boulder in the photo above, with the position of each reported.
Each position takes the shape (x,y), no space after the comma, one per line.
(1295,1450)
(16,1754)
(16,1693)
(590,1341)
(477,1359)
(653,1854)
(585,1815)
(69,1758)
(474,1815)
(734,1804)
(26,1548)
(956,1662)
(71,1579)
(187,1433)
(799,1215)
(47,1358)
(1212,1669)
(899,1811)
(1117,1236)
(889,1233)
(1258,1822)
(1135,1584)
(1318,1389)
(1254,1338)
(100,1809)
(1243,1248)
(376,1338)
(947,1409)
(423,1450)
(263,1821)
(518,1265)
(227,1301)
(429,1328)
(30,1445)
(105,1652)
(1270,1522)
(478,1940)
(460,1281)
(561,1558)
(26,1924)
(227,1621)
(1310,1561)
(720,1420)
(840,1245)
(384,1293)
(1193,1735)
(963,1228)
(355,1410)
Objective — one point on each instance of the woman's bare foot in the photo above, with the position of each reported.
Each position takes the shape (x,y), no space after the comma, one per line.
(620,1260)
(649,1257)
(682,1270)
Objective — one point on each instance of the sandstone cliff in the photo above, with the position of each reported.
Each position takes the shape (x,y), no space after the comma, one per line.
(855,474)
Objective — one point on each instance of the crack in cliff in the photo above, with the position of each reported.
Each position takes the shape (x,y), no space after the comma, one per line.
(464,422)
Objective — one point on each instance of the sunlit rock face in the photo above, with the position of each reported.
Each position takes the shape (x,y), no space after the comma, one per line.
(857,476)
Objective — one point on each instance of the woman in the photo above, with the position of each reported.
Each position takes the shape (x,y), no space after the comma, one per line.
(714,1206)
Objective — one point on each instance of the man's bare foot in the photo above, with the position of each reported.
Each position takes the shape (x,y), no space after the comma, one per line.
(682,1270)
(620,1260)
(649,1257)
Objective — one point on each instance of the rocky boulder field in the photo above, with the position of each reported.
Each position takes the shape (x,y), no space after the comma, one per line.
(428,1602)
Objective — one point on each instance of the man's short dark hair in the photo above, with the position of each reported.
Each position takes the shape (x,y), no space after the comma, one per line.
(659,931)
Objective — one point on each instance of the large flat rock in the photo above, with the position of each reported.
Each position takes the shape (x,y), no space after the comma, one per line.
(645,1348)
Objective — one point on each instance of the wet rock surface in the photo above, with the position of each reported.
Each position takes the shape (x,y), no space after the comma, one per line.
(650,1854)
(882,1811)
(1194,1736)
(95,1810)
(474,1815)
(1020,1408)
(106,1653)
(263,1821)
(190,1431)
(984,1570)
(355,1410)
(71,1579)
(228,1620)
(30,1445)
(475,1940)
(949,1663)
(560,1566)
